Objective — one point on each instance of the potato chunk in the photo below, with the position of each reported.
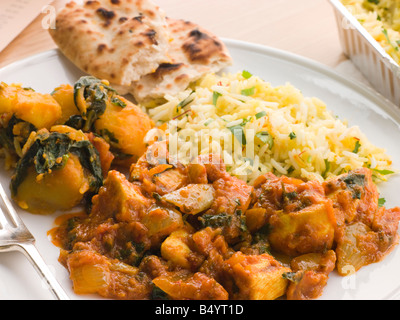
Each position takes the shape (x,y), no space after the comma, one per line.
(41,110)
(61,190)
(126,128)
(64,95)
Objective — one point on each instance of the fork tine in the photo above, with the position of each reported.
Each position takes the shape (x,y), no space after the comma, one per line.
(24,241)
(37,261)
(9,209)
(3,220)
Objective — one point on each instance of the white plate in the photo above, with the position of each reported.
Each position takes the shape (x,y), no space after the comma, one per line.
(377,117)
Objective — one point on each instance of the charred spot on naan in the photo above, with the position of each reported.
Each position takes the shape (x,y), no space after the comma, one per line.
(151,36)
(105,14)
(166,68)
(101,47)
(199,47)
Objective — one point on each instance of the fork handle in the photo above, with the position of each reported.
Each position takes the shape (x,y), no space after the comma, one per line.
(33,255)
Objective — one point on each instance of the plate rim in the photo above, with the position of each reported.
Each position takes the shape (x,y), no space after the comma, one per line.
(368,93)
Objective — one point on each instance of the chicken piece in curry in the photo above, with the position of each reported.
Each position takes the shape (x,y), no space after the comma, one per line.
(174,231)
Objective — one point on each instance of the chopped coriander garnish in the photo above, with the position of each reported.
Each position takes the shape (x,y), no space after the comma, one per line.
(383,172)
(215,220)
(265,137)
(327,167)
(246,74)
(261,114)
(291,276)
(239,133)
(292,135)
(216,95)
(357,147)
(248,92)
(395,47)
(156,196)
(245,120)
(381,202)
(290,170)
(185,101)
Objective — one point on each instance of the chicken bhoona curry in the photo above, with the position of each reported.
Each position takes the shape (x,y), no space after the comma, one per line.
(167,230)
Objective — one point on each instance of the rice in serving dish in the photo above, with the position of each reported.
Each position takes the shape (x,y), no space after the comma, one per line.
(381,18)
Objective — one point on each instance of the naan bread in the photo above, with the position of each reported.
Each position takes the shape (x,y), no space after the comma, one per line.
(117,40)
(193,52)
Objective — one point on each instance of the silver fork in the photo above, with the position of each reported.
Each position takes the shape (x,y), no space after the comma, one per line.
(14,236)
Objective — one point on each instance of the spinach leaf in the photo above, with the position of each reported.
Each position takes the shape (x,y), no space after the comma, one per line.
(50,151)
(355,182)
(91,96)
(118,102)
(158,294)
(76,122)
(215,220)
(353,179)
(53,147)
(9,140)
(89,159)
